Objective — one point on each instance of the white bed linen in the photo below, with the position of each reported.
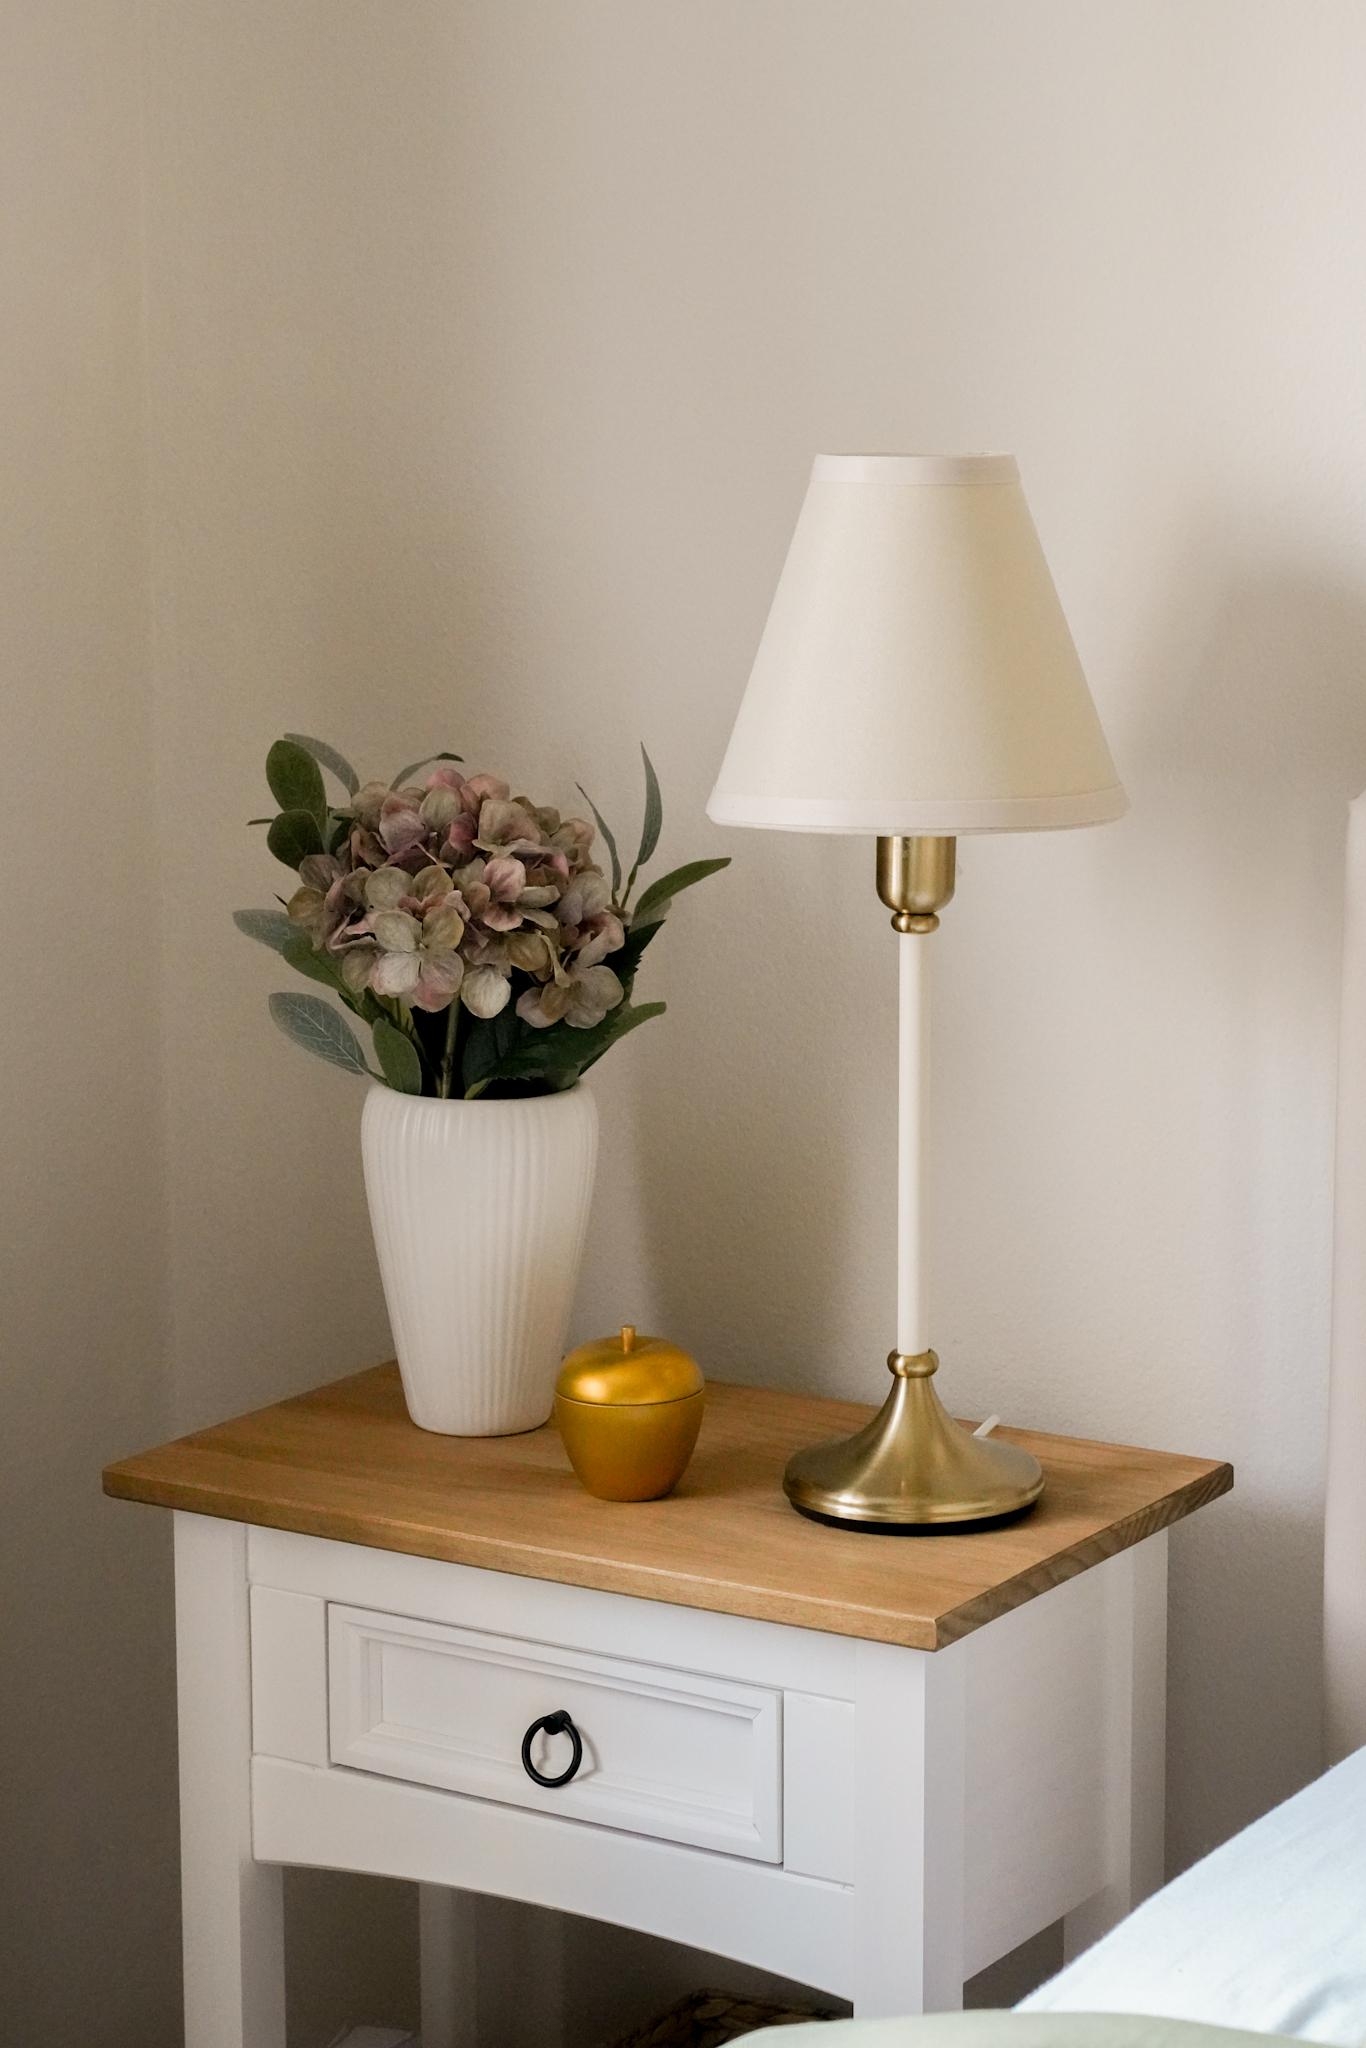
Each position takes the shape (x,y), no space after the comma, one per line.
(1267,1934)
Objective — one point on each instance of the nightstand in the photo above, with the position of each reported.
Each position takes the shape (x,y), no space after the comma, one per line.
(870,1763)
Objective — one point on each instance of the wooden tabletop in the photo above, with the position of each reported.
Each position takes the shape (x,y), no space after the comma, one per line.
(346,1462)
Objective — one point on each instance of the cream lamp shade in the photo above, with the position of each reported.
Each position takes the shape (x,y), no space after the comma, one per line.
(916,674)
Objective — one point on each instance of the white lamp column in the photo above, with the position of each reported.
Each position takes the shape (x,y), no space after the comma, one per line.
(913,1083)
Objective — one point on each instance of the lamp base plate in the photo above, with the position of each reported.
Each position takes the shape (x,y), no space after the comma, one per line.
(912,1467)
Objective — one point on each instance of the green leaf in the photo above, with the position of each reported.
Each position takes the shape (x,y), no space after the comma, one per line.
(269,927)
(654,818)
(307,959)
(618,1024)
(485,1040)
(296,781)
(293,836)
(329,758)
(668,886)
(302,955)
(626,959)
(608,841)
(425,762)
(315,1025)
(562,1049)
(398,1058)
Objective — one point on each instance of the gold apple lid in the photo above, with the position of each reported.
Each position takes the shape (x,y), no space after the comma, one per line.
(628,1370)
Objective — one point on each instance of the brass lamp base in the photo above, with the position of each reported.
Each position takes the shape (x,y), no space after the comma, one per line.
(913,1466)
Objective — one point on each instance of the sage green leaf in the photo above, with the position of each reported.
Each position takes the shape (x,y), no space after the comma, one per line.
(608,841)
(302,955)
(398,1058)
(668,886)
(327,968)
(654,816)
(269,927)
(328,757)
(425,762)
(296,781)
(316,1026)
(293,836)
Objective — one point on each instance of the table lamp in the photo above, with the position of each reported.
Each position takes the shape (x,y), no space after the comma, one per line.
(915,680)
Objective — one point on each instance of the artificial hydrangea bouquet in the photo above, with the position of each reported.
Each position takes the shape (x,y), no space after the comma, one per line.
(472,931)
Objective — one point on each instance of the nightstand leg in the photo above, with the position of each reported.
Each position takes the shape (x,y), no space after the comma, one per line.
(1136,1737)
(233,1907)
(492,1970)
(908,1800)
(448,1948)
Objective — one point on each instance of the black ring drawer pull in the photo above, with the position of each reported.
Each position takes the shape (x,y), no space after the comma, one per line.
(553,1724)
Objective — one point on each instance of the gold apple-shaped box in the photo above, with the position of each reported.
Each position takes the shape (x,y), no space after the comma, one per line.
(629,1409)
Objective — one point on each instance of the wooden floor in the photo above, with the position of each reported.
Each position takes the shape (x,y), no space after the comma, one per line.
(346,1462)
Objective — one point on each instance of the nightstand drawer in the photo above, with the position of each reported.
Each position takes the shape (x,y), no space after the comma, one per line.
(670,1754)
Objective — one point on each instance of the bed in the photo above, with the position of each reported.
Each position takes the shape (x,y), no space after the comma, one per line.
(1267,1936)
(1014,2030)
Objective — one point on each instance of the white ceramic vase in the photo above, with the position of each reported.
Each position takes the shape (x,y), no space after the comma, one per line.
(479,1211)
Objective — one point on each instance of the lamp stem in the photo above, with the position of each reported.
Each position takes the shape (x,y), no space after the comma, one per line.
(912,1465)
(912,1303)
(915,879)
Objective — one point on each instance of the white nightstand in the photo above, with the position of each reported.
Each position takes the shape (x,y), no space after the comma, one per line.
(870,1763)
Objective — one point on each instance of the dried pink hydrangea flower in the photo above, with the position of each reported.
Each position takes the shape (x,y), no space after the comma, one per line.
(441,890)
(473,931)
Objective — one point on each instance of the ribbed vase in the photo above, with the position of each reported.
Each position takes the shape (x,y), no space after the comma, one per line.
(479,1211)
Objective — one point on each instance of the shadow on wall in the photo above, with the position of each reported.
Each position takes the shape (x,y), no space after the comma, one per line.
(1247,762)
(1250,740)
(1245,773)
(746,1195)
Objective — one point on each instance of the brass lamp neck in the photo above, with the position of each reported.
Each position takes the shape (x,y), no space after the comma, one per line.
(915,880)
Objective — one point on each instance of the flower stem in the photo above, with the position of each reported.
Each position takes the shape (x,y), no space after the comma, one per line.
(448,1056)
(400,1015)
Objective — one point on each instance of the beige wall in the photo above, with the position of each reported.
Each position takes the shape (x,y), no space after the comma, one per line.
(87,1813)
(488,345)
